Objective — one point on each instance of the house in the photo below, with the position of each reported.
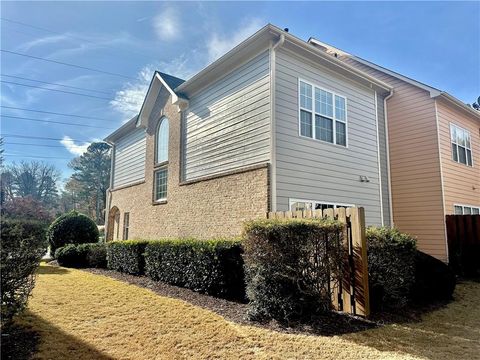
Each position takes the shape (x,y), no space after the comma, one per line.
(275,124)
(434,144)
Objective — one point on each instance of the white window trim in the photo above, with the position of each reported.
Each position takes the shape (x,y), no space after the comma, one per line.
(313,202)
(313,114)
(469,148)
(160,168)
(464,206)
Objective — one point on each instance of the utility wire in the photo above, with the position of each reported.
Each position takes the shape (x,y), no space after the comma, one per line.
(56,90)
(56,84)
(38,137)
(55,113)
(68,64)
(39,157)
(27,144)
(55,122)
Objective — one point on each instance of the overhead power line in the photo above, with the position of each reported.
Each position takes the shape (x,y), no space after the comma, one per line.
(38,157)
(56,90)
(39,137)
(56,84)
(54,122)
(68,64)
(41,145)
(56,113)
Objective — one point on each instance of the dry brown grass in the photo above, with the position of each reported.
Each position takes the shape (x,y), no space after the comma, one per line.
(80,315)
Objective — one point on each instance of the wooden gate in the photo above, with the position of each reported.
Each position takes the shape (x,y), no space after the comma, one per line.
(463,233)
(351,295)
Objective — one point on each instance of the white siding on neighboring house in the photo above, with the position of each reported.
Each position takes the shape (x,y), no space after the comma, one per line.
(129,159)
(318,171)
(227,124)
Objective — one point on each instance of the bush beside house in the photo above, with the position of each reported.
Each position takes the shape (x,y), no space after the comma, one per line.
(23,245)
(83,255)
(71,228)
(289,266)
(127,256)
(214,267)
(391,267)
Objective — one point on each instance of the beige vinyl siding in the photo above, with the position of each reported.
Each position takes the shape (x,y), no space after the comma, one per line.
(417,197)
(461,182)
(318,171)
(129,159)
(227,124)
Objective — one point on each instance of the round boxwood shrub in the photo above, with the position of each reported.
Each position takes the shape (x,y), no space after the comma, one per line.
(71,228)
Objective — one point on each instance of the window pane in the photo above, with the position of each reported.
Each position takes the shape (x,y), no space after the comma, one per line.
(301,206)
(453,133)
(454,152)
(162,141)
(467,140)
(458,210)
(305,123)
(339,108)
(323,102)
(460,137)
(462,156)
(469,157)
(341,133)
(323,206)
(323,128)
(305,96)
(467,210)
(161,184)
(475,211)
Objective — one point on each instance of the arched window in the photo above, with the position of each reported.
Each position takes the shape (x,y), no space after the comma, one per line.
(161,153)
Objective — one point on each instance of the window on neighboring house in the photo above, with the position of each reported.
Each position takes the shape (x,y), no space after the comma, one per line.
(296,205)
(466,210)
(461,146)
(323,114)
(160,173)
(126,224)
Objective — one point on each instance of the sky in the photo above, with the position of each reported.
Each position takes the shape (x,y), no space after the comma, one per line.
(115,47)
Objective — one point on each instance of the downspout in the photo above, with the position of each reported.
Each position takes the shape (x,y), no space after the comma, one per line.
(380,183)
(273,150)
(387,143)
(108,199)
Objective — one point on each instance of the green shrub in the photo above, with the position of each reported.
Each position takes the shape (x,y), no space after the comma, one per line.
(126,256)
(391,267)
(434,280)
(289,266)
(83,255)
(71,228)
(214,267)
(23,245)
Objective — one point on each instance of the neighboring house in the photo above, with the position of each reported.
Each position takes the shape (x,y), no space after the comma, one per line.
(275,124)
(434,147)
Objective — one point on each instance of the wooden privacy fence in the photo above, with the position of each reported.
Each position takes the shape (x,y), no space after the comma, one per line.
(351,295)
(463,234)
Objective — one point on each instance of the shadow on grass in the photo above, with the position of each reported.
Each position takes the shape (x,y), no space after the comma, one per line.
(33,337)
(51,270)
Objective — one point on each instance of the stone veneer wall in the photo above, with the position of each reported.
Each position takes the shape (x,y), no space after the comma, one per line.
(204,209)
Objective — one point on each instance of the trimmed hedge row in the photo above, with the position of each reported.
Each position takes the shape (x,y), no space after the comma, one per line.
(289,265)
(127,256)
(83,255)
(214,267)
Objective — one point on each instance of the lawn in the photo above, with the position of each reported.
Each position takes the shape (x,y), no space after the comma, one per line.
(80,315)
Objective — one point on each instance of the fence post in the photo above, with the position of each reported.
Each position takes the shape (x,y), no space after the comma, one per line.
(359,250)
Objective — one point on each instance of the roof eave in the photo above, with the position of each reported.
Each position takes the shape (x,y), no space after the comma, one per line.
(454,101)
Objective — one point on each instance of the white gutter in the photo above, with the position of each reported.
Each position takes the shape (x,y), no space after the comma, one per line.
(273,142)
(379,162)
(387,142)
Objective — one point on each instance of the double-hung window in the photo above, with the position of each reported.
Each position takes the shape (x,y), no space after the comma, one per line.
(461,145)
(302,205)
(323,114)
(466,210)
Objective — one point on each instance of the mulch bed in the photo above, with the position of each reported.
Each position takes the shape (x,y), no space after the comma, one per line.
(334,323)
